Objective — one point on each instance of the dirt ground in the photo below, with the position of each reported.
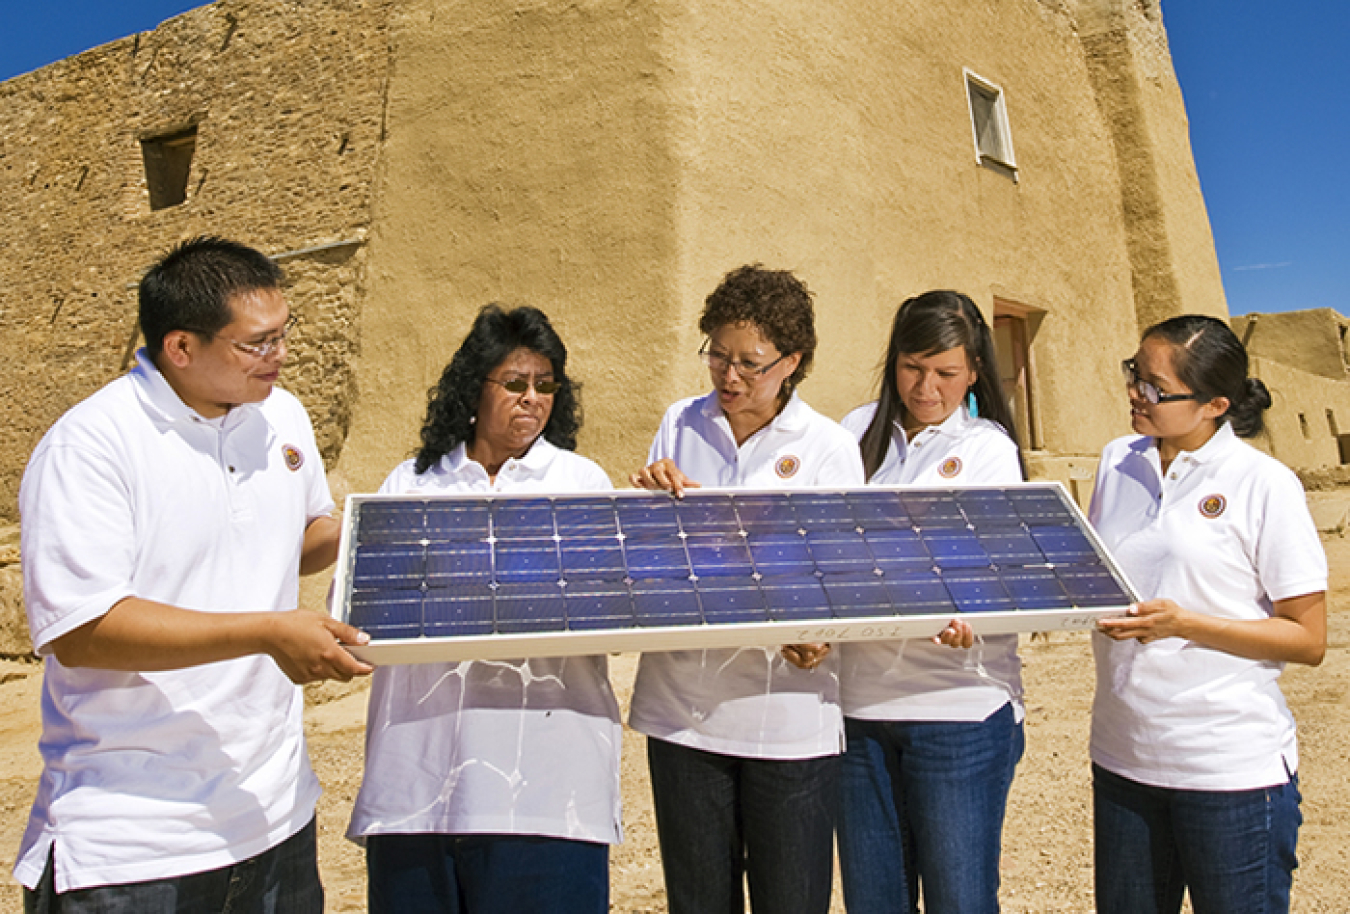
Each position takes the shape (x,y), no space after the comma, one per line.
(1047,861)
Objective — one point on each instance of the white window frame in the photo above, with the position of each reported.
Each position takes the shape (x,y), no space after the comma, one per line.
(999,112)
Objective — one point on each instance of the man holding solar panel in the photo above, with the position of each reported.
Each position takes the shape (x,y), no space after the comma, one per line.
(166,521)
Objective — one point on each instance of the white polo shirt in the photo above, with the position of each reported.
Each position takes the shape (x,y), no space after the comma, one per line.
(522,747)
(916,679)
(749,702)
(1225,532)
(131,493)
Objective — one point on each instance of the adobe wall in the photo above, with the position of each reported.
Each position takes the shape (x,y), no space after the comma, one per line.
(1308,413)
(1174,264)
(610,161)
(287,100)
(1313,340)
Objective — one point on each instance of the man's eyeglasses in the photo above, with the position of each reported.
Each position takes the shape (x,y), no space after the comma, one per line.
(266,347)
(1147,390)
(520,385)
(748,371)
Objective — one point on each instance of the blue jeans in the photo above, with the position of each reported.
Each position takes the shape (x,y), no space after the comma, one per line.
(723,821)
(486,874)
(1233,850)
(282,880)
(922,810)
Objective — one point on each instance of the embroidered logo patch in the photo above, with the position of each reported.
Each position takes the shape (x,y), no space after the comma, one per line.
(294,459)
(787,466)
(950,468)
(1212,506)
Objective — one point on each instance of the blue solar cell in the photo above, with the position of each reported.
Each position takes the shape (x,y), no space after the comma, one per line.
(1065,545)
(462,610)
(521,518)
(956,548)
(983,506)
(452,561)
(898,551)
(395,565)
(530,608)
(382,521)
(666,602)
(387,614)
(473,566)
(587,516)
(644,515)
(732,600)
(932,509)
(598,604)
(821,512)
(879,510)
(1035,588)
(707,514)
(526,560)
(796,598)
(978,590)
(719,555)
(765,513)
(780,553)
(1010,546)
(1092,586)
(919,593)
(839,552)
(592,557)
(457,520)
(1040,507)
(854,596)
(654,557)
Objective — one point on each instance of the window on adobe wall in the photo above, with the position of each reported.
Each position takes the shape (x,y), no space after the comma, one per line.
(989,123)
(1303,427)
(168,161)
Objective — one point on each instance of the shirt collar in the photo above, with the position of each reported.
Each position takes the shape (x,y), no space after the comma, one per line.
(536,461)
(954,426)
(791,418)
(161,400)
(1223,440)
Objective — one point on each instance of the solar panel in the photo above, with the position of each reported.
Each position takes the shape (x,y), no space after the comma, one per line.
(490,577)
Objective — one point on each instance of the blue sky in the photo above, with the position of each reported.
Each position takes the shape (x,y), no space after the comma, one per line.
(1269,125)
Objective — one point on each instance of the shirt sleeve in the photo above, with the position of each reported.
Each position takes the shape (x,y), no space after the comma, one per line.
(78,540)
(993,460)
(1290,560)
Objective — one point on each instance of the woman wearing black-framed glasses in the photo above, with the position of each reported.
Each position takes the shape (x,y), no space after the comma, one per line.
(1195,760)
(743,744)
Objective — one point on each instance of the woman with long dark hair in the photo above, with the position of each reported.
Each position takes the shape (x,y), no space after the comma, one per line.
(493,787)
(934,734)
(1195,760)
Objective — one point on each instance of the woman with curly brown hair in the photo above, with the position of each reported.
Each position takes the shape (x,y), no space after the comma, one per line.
(743,744)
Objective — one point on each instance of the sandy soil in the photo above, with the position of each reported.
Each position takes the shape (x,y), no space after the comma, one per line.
(1047,862)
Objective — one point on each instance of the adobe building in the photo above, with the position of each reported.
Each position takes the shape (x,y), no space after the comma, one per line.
(609,161)
(1302,357)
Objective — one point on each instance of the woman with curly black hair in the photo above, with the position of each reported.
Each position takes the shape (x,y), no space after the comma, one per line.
(744,744)
(494,786)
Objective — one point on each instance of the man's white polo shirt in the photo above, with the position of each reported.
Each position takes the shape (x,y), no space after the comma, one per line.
(131,493)
(749,702)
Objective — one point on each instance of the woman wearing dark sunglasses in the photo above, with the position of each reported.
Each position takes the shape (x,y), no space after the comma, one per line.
(1195,761)
(494,786)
